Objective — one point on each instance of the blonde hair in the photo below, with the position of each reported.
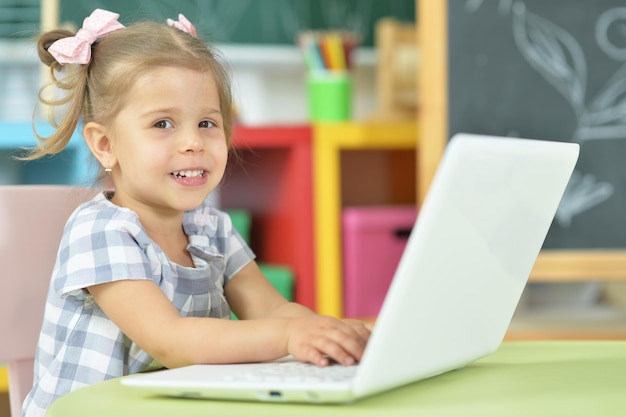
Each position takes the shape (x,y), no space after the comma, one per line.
(98,90)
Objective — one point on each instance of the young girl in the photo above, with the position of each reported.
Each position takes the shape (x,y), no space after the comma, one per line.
(147,274)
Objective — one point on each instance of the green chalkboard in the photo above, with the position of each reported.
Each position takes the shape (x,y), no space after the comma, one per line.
(253,21)
(553,70)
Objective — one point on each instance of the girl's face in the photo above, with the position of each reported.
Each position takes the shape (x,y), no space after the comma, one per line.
(168,141)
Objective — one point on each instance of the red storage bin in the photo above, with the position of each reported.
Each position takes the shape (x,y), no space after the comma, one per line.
(373,241)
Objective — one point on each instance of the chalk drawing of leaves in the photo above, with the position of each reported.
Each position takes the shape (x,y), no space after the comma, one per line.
(554,53)
(582,193)
(605,117)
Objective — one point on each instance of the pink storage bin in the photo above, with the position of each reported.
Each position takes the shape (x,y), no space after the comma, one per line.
(373,241)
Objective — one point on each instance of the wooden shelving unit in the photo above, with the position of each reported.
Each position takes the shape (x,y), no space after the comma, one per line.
(270,176)
(329,142)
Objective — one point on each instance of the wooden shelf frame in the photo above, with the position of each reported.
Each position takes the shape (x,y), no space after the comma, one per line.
(329,140)
(271,177)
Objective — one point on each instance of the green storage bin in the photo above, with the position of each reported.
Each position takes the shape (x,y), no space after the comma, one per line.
(281,278)
(241,222)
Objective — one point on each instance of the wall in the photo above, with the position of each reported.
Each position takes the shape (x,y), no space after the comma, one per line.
(268,82)
(19,79)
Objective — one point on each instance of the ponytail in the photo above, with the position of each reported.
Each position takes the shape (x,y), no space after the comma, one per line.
(72,87)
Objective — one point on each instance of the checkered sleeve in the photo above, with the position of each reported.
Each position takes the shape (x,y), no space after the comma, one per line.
(102,243)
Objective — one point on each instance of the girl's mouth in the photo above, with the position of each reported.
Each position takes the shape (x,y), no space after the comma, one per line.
(191,173)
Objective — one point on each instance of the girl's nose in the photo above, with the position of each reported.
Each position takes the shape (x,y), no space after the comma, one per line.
(192,142)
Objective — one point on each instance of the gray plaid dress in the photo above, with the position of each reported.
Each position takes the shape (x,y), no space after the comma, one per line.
(102,242)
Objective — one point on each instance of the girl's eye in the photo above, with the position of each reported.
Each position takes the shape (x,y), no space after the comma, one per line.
(163,124)
(206,123)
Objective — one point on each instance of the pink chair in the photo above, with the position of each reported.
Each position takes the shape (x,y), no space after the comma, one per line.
(32,218)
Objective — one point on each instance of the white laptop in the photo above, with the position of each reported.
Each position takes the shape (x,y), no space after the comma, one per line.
(454,292)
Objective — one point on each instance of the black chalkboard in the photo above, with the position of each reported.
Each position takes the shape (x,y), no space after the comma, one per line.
(253,21)
(553,70)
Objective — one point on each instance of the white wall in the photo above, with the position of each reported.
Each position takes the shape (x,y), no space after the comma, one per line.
(268,82)
(19,80)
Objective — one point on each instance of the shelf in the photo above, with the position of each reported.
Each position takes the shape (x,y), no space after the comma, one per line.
(589,322)
(68,167)
(269,175)
(364,135)
(580,265)
(329,141)
(4,378)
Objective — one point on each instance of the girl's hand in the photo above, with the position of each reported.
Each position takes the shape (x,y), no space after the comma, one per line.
(319,339)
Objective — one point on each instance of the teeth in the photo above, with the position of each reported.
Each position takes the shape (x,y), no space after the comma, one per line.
(188,173)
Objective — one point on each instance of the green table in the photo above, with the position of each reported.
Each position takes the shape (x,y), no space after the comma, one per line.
(523,379)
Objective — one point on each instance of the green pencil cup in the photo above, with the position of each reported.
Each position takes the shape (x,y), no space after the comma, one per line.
(329,96)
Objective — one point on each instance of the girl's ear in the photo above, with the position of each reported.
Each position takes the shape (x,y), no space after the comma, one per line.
(99,143)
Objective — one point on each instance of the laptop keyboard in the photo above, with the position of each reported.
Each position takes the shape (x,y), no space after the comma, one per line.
(297,372)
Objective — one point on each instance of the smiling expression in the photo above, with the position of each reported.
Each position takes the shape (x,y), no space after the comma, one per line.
(168,141)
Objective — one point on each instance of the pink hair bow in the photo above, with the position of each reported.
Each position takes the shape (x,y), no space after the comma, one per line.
(183,24)
(77,49)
